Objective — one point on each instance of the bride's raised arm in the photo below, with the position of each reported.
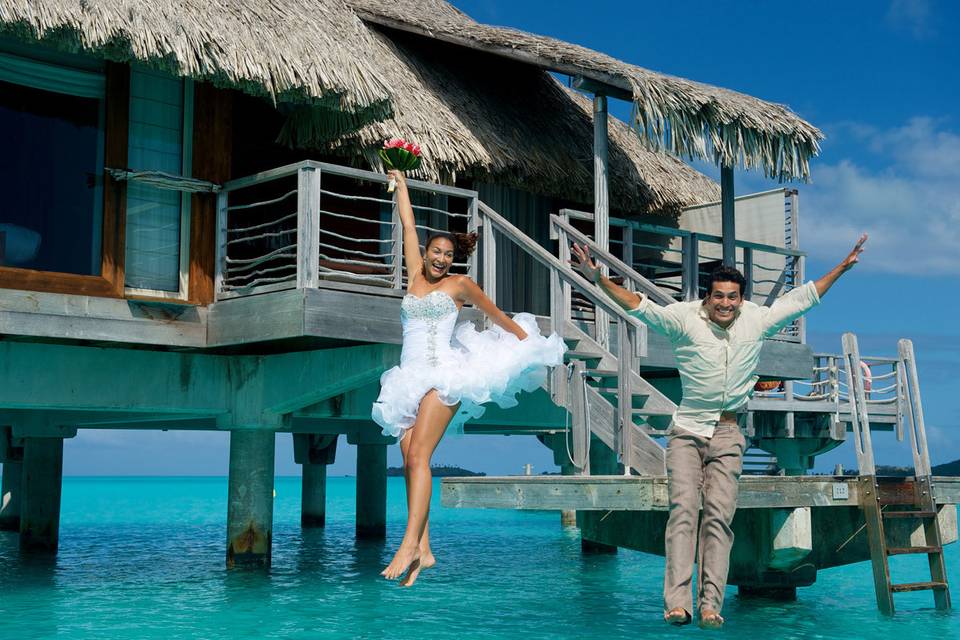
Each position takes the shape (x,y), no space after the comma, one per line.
(471,293)
(411,243)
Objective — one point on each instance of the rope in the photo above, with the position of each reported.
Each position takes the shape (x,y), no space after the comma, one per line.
(163,180)
(265,224)
(238,207)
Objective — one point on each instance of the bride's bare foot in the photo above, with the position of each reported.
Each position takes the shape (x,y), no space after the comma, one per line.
(425,561)
(677,616)
(402,560)
(427,558)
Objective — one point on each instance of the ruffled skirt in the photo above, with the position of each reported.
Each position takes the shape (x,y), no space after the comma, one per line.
(481,367)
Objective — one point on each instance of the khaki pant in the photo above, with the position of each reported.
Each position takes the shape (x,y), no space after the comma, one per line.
(696,465)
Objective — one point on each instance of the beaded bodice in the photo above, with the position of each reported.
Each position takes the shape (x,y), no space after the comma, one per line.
(428,324)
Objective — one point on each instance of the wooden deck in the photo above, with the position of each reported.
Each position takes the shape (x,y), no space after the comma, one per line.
(637,493)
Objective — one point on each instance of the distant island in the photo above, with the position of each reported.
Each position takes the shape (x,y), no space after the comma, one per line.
(945,469)
(439,471)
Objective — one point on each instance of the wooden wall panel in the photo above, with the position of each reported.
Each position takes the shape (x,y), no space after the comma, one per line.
(212,154)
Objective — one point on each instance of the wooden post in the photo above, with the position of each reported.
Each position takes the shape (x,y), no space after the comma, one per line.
(601,200)
(371,491)
(728,219)
(308,228)
(41,482)
(628,254)
(250,497)
(314,452)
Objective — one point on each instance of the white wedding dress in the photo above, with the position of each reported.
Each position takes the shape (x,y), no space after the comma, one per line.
(464,365)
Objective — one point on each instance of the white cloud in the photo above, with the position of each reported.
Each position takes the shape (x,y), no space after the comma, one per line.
(908,200)
(911,16)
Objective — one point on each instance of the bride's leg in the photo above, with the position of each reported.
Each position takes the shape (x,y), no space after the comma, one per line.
(432,420)
(427,559)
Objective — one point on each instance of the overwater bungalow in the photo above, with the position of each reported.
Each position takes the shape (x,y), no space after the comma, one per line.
(196,234)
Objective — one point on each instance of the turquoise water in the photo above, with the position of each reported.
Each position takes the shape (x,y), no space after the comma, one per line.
(144,558)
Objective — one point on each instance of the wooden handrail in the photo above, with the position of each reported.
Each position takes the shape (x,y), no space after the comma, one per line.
(682,233)
(548,260)
(652,291)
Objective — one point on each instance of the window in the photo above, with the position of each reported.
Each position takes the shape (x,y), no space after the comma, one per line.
(52,122)
(158,220)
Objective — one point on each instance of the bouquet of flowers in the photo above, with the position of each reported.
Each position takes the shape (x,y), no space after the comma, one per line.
(401,155)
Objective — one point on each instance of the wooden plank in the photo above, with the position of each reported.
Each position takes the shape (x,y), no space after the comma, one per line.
(272,316)
(308,227)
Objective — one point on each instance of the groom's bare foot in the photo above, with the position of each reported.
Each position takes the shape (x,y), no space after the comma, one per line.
(402,560)
(678,616)
(710,619)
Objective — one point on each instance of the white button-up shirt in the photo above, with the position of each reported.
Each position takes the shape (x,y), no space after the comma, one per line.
(717,366)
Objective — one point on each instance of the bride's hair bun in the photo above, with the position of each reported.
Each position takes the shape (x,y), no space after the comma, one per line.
(464,244)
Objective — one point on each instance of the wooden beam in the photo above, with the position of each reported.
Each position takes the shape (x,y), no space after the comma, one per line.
(615,83)
(613,493)
(600,88)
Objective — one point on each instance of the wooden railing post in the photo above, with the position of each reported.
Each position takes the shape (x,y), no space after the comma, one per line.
(308,228)
(690,279)
(221,259)
(489,249)
(748,272)
(396,238)
(626,336)
(472,226)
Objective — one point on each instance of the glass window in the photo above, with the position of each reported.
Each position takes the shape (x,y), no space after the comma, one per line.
(51,168)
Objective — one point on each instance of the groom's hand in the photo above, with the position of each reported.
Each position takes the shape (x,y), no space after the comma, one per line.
(854,256)
(582,261)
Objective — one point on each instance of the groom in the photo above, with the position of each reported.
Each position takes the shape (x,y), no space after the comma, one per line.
(716,342)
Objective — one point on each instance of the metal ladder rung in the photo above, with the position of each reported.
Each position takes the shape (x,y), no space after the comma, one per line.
(910,514)
(896,551)
(917,586)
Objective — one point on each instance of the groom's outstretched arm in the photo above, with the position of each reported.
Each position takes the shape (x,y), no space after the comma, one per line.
(796,303)
(663,320)
(824,283)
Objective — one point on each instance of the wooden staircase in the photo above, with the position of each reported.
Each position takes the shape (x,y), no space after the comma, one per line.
(883,499)
(650,411)
(600,388)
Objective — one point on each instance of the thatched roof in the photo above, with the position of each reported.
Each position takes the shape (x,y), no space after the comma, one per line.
(290,50)
(482,116)
(475,114)
(687,118)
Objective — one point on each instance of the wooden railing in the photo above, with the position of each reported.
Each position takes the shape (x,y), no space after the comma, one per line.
(632,335)
(682,260)
(314,224)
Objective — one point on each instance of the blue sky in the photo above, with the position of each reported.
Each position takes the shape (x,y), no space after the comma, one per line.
(879,78)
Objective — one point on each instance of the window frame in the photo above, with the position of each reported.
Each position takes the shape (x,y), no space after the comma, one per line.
(110,281)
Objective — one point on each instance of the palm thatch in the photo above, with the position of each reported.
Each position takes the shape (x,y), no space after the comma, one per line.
(690,119)
(486,117)
(314,51)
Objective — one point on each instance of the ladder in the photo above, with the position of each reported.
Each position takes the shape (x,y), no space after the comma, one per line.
(885,499)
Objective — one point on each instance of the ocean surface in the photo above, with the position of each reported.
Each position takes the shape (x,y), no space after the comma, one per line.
(144,558)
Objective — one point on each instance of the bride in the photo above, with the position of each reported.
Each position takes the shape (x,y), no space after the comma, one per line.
(447,372)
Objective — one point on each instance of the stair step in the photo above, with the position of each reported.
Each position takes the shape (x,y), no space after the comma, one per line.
(910,514)
(917,586)
(896,551)
(584,355)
